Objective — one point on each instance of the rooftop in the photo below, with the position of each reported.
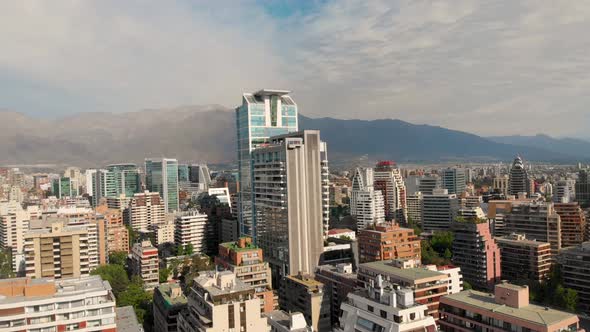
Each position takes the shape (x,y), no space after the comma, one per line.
(532,313)
(294,322)
(235,247)
(172,294)
(305,280)
(411,274)
(127,320)
(271,92)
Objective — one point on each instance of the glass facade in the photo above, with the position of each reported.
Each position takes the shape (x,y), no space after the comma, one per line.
(161,175)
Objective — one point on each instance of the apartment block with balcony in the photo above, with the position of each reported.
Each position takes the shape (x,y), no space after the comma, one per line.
(338,280)
(573,223)
(523,259)
(190,227)
(145,263)
(388,241)
(575,268)
(302,293)
(168,302)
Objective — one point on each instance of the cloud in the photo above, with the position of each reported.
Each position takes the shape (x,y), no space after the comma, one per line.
(489,67)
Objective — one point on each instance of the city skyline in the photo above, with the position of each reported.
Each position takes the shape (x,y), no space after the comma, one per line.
(343,59)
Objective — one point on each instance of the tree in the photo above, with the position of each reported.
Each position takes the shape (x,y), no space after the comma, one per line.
(466,285)
(441,241)
(448,254)
(137,297)
(118,258)
(180,250)
(189,249)
(132,235)
(164,273)
(6,264)
(115,275)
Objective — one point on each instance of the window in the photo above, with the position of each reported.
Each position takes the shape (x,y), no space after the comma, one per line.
(370,308)
(383,314)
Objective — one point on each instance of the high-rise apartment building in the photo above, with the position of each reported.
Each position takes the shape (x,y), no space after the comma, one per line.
(573,223)
(190,228)
(146,209)
(85,304)
(338,280)
(508,309)
(217,302)
(501,184)
(263,114)
(518,181)
(288,201)
(583,187)
(145,263)
(575,268)
(14,223)
(388,241)
(366,203)
(414,209)
(523,259)
(302,293)
(117,233)
(246,261)
(168,302)
(161,176)
(453,179)
(537,221)
(428,183)
(388,179)
(564,191)
(476,253)
(439,210)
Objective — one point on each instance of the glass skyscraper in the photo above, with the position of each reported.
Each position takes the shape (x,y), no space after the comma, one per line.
(161,175)
(263,114)
(117,179)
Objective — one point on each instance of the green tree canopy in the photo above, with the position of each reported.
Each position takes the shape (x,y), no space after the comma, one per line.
(118,258)
(6,264)
(115,275)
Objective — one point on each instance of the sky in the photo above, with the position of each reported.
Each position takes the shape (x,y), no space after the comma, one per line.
(498,67)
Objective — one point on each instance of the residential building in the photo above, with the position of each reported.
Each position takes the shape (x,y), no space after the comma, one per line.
(501,184)
(263,114)
(366,203)
(161,176)
(168,302)
(338,280)
(217,302)
(565,191)
(388,241)
(476,253)
(454,276)
(518,181)
(575,269)
(537,221)
(414,208)
(302,293)
(44,304)
(14,223)
(222,194)
(145,263)
(573,223)
(508,309)
(288,202)
(342,233)
(230,230)
(246,261)
(384,307)
(163,232)
(453,179)
(190,227)
(427,285)
(281,321)
(439,210)
(523,259)
(126,319)
(388,179)
(117,233)
(146,209)
(120,202)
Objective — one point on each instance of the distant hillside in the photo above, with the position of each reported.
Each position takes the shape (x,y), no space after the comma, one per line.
(571,146)
(207,133)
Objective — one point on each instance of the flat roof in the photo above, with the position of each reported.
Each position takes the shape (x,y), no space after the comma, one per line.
(411,274)
(271,92)
(165,291)
(533,313)
(127,320)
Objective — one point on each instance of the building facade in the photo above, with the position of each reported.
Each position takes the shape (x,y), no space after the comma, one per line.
(537,221)
(453,179)
(572,223)
(518,181)
(366,203)
(145,263)
(575,268)
(161,176)
(388,241)
(302,293)
(388,179)
(338,280)
(523,259)
(190,227)
(439,210)
(168,302)
(146,209)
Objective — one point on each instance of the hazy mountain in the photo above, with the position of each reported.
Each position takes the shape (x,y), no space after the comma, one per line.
(207,133)
(571,146)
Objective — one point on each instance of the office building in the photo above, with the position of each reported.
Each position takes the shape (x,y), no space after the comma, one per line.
(518,181)
(388,241)
(508,309)
(565,191)
(168,302)
(281,321)
(302,293)
(537,221)
(263,114)
(583,187)
(523,259)
(146,209)
(339,280)
(288,202)
(427,285)
(190,228)
(366,203)
(199,177)
(573,223)
(145,263)
(14,223)
(388,180)
(414,209)
(64,187)
(453,179)
(117,233)
(384,307)
(115,180)
(439,210)
(246,261)
(161,176)
(428,183)
(575,269)
(73,304)
(217,302)
(476,253)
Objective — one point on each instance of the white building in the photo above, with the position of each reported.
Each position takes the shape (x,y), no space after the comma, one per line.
(384,307)
(14,222)
(146,209)
(85,303)
(222,195)
(454,277)
(190,227)
(281,321)
(439,210)
(366,204)
(388,180)
(414,208)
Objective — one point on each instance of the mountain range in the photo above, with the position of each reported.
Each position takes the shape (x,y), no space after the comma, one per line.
(207,133)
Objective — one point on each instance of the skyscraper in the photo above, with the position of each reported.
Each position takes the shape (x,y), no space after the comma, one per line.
(453,179)
(263,114)
(583,187)
(518,181)
(389,181)
(116,180)
(366,204)
(439,210)
(161,175)
(288,202)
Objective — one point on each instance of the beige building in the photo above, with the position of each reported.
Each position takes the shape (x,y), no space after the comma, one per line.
(304,294)
(220,302)
(117,233)
(14,223)
(146,209)
(145,263)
